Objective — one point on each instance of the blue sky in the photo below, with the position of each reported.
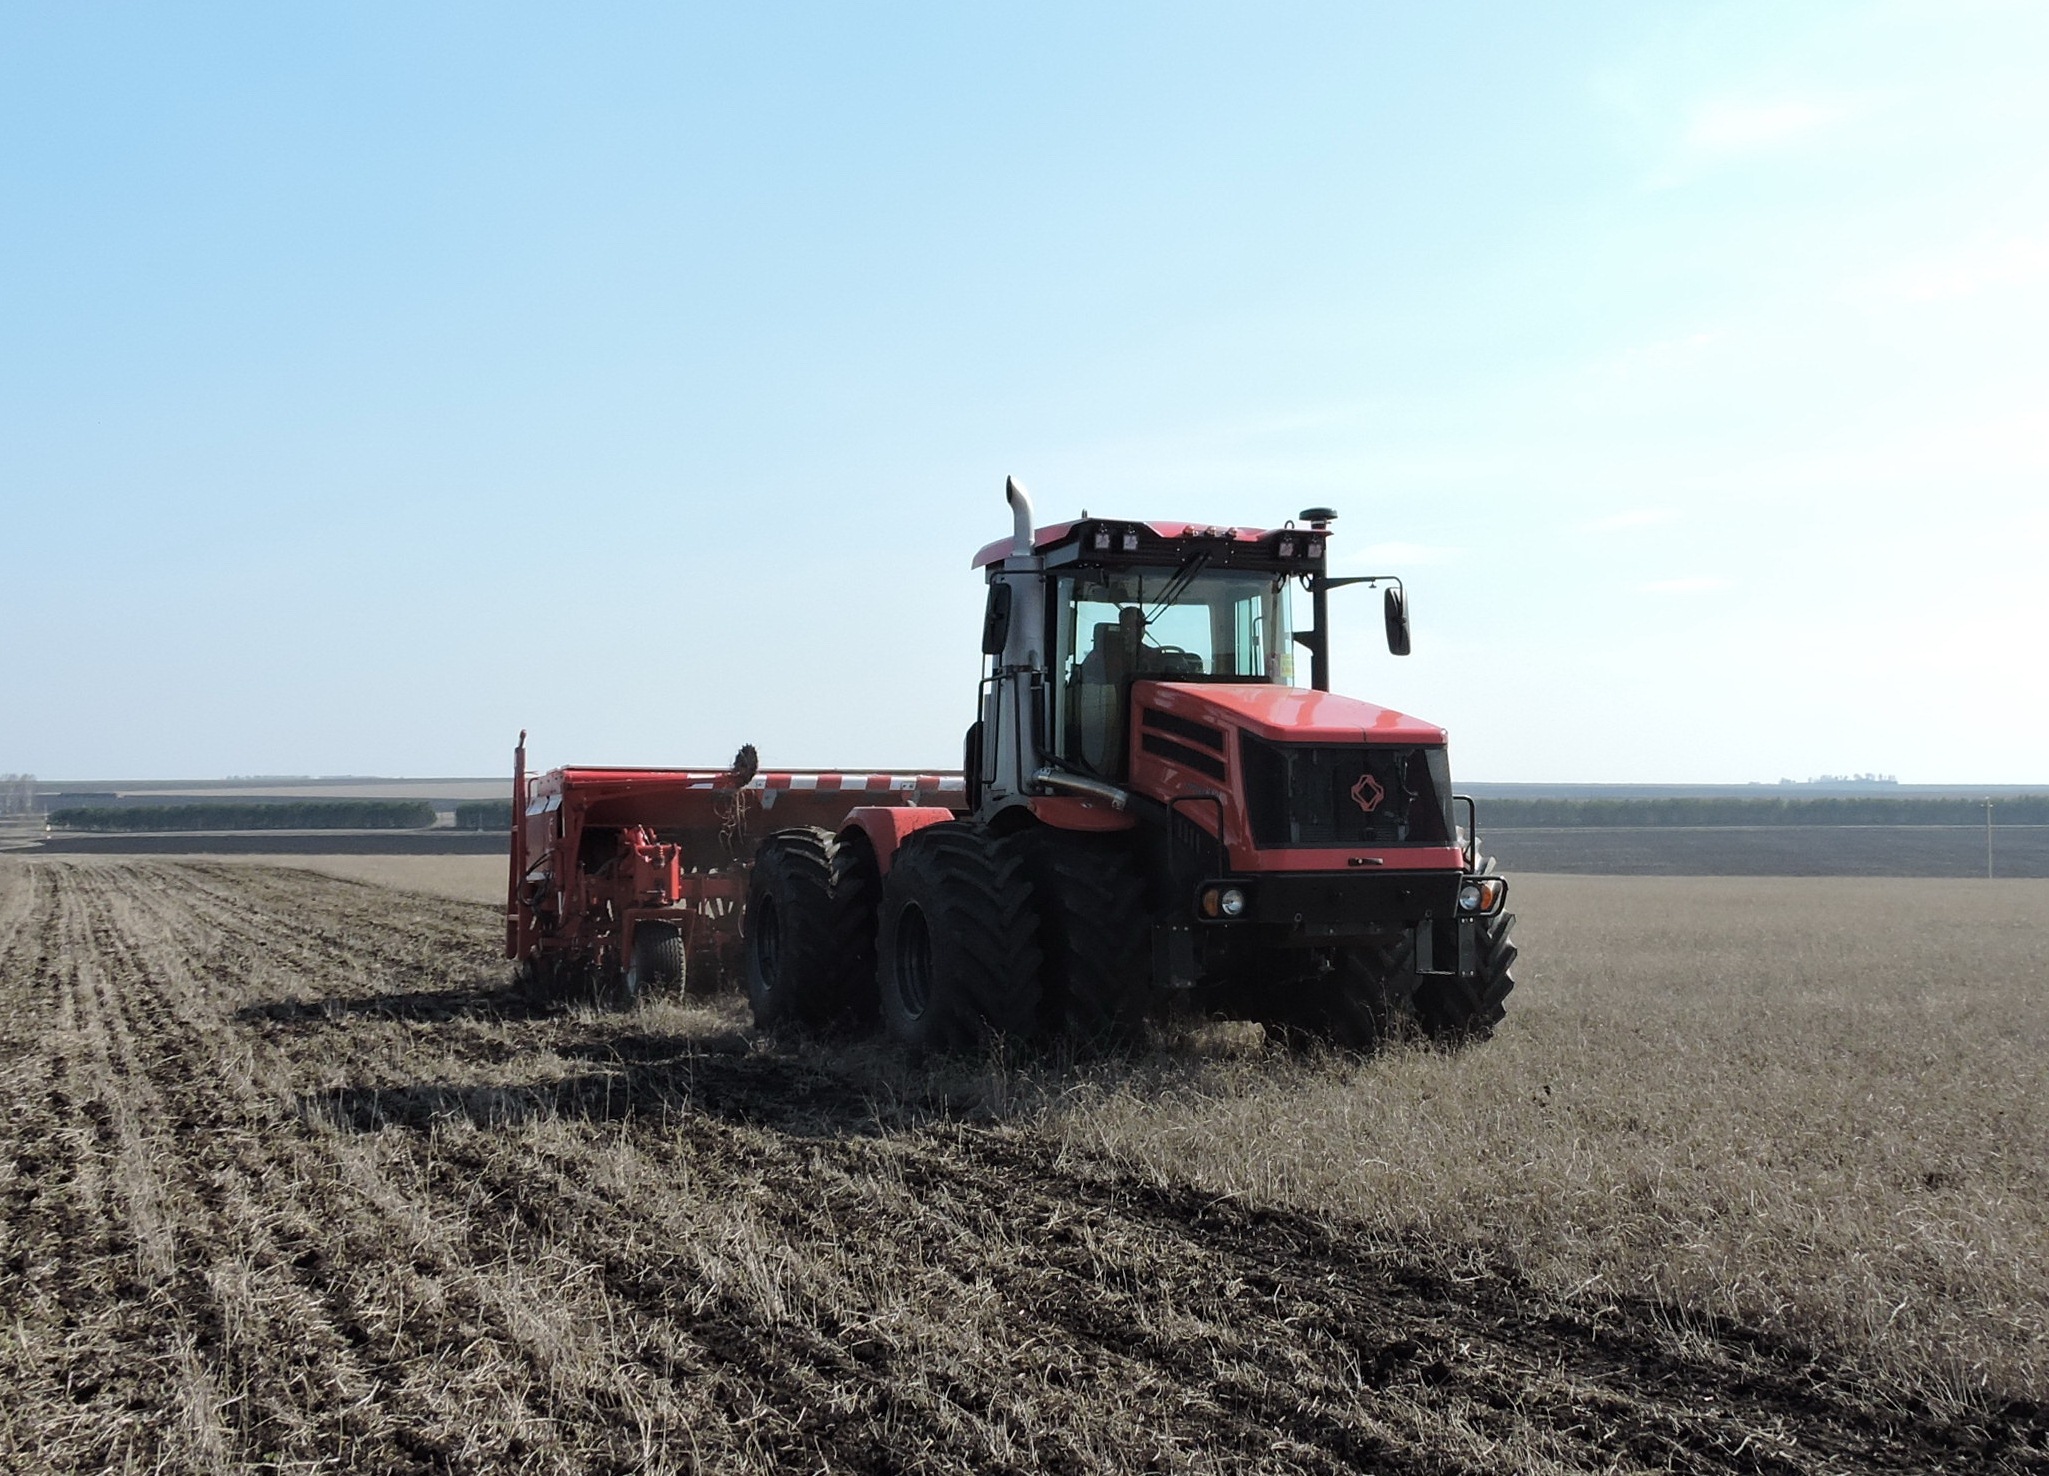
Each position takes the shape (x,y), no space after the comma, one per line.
(377,381)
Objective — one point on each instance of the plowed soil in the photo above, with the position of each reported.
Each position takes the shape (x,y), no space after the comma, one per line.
(289,1181)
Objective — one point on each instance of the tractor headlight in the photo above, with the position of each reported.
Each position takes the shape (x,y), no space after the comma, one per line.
(1482,896)
(1220,903)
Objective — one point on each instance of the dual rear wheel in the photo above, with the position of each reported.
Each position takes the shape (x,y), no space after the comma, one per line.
(957,949)
(971,937)
(810,931)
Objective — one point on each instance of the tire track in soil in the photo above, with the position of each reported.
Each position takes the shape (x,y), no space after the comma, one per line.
(264,1327)
(78,1268)
(478,1306)
(1585,1394)
(179,1373)
(476,1257)
(1327,1325)
(302,1362)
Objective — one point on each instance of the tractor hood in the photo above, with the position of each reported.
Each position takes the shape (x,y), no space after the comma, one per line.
(1287,714)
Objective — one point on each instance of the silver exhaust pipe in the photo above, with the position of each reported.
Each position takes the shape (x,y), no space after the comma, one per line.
(1110,794)
(1021,517)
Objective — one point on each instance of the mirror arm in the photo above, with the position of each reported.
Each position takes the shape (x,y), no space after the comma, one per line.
(1321,583)
(1318,640)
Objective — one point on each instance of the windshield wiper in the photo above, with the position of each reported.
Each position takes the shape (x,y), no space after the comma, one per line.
(1184,576)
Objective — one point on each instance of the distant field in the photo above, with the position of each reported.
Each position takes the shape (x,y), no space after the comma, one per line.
(1774,850)
(281,842)
(462,878)
(1777,850)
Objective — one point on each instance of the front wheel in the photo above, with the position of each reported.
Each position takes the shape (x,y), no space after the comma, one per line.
(957,944)
(1096,934)
(1454,1009)
(1348,1004)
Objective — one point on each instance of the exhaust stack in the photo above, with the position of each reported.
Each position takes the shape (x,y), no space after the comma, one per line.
(1021,517)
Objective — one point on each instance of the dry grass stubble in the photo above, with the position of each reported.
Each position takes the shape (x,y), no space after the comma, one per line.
(289,1181)
(1818,1106)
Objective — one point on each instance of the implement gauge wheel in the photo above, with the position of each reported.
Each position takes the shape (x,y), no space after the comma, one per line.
(659,959)
(957,942)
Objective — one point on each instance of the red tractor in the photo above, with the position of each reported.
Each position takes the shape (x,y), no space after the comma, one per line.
(1155,815)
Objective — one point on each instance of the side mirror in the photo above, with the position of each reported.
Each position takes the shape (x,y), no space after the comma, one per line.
(1395,606)
(996,620)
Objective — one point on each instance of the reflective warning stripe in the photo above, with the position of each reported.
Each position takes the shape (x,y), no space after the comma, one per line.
(862,783)
(866,783)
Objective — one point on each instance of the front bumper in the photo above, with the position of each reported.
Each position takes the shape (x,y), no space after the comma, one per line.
(1326,907)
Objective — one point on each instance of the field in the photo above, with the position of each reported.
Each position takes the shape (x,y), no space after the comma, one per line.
(1752,1180)
(1771,850)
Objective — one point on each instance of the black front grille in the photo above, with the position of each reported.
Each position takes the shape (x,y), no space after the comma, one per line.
(1353,795)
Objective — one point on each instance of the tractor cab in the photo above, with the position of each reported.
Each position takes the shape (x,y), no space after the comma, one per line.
(1082,612)
(1115,625)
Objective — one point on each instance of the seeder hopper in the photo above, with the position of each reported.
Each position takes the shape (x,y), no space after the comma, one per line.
(624,879)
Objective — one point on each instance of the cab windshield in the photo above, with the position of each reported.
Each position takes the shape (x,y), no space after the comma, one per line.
(1185,624)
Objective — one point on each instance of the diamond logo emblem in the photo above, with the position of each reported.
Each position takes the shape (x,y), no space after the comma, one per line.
(1367,793)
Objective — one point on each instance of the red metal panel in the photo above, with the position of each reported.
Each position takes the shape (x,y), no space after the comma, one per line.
(888,827)
(1052,533)
(1327,719)
(1287,714)
(515,914)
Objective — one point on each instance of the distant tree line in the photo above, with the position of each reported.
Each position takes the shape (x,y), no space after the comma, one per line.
(2021,809)
(484,815)
(290,815)
(17,794)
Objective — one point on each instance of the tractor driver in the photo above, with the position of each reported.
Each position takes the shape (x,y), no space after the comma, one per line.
(1102,692)
(1114,657)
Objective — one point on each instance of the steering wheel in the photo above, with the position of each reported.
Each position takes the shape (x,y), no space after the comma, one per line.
(1178,657)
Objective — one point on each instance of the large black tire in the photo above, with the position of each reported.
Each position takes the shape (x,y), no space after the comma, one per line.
(957,942)
(1348,1007)
(659,959)
(1096,935)
(791,973)
(1455,1009)
(856,907)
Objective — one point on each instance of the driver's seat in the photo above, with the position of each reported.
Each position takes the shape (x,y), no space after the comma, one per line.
(1102,690)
